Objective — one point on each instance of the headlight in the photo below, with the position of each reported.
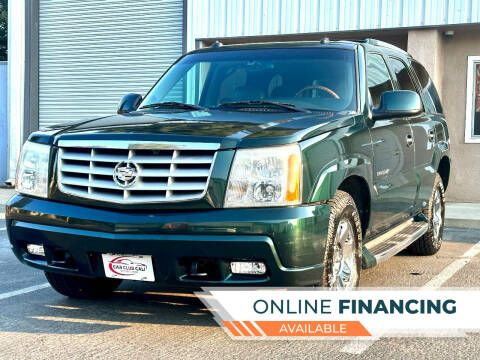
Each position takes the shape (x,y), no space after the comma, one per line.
(32,170)
(265,177)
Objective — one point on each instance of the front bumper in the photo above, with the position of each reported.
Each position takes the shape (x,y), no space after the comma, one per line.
(291,240)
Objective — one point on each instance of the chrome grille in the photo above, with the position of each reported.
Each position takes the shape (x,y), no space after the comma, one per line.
(166,172)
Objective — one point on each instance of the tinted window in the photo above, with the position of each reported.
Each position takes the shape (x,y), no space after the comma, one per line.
(310,78)
(476,100)
(431,98)
(404,80)
(378,78)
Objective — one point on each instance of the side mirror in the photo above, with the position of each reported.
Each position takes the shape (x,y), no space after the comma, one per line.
(398,103)
(129,103)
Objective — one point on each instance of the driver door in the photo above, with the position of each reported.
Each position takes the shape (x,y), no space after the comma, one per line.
(392,142)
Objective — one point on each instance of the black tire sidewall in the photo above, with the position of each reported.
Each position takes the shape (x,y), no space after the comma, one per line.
(438,187)
(82,287)
(348,212)
(426,245)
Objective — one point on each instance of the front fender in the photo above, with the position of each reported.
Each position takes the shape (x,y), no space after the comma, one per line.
(333,157)
(333,174)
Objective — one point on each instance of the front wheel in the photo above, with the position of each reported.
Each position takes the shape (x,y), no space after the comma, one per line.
(81,287)
(343,253)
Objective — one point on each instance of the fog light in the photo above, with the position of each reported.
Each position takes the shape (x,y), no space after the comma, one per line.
(34,249)
(248,267)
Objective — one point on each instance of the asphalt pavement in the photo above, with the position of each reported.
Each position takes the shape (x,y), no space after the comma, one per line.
(148,322)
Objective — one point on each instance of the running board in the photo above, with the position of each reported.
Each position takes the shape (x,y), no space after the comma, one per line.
(393,241)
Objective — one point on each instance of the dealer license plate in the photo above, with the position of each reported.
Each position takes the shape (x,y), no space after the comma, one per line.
(129,267)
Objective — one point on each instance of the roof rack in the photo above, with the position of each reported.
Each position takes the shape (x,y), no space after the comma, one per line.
(376,42)
(216,44)
(384,44)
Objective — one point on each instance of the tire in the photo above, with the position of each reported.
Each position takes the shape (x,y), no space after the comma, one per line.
(81,287)
(431,241)
(343,254)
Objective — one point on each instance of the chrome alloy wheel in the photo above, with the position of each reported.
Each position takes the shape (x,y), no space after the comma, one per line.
(344,264)
(437,220)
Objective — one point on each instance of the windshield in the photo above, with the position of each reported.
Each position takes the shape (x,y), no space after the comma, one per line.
(306,78)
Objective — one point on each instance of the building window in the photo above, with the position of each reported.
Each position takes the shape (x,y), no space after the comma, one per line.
(472,126)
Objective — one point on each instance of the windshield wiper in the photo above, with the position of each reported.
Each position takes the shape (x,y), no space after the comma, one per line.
(261,103)
(173,104)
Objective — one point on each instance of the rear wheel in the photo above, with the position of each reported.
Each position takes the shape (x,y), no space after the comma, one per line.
(431,242)
(343,253)
(81,287)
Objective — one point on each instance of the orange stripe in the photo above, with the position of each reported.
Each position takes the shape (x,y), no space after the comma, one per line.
(231,328)
(313,328)
(241,328)
(247,328)
(252,328)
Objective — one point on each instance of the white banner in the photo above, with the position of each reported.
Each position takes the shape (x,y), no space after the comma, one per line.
(247,313)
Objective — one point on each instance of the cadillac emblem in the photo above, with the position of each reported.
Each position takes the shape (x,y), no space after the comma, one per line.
(125,174)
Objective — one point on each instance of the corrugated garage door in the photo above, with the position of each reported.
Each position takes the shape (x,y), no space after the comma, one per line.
(93,52)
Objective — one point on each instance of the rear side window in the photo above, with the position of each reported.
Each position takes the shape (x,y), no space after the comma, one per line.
(430,94)
(378,78)
(404,80)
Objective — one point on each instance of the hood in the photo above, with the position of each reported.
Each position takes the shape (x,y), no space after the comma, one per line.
(231,129)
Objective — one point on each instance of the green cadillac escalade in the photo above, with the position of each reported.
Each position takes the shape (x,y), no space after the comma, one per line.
(277,164)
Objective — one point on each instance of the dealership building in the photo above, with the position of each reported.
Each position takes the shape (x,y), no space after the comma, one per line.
(71,60)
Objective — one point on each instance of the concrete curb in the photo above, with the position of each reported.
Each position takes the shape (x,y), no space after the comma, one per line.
(462,215)
(462,223)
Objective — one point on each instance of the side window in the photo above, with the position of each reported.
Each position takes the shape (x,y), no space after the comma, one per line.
(432,100)
(378,78)
(404,80)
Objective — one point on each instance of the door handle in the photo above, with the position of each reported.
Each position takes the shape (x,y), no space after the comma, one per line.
(409,140)
(431,135)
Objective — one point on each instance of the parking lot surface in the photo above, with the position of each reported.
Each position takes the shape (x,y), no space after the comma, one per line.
(149,322)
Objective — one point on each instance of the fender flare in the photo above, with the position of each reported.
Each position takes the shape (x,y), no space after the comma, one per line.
(336,172)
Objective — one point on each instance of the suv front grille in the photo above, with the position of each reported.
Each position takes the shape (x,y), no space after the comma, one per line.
(159,172)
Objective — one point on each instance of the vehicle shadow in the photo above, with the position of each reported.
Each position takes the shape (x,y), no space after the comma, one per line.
(452,235)
(130,305)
